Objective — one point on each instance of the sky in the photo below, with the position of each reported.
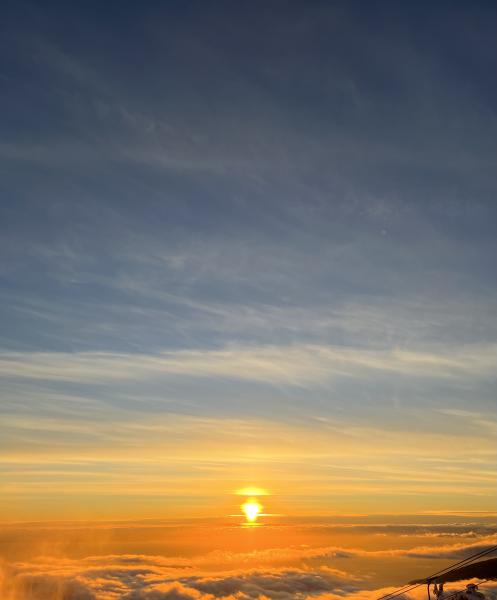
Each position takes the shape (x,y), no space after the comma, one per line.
(247,244)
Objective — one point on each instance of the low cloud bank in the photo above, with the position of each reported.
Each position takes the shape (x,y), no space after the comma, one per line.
(267,585)
(154,583)
(141,577)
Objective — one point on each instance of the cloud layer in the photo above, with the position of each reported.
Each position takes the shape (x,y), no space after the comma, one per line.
(274,573)
(287,365)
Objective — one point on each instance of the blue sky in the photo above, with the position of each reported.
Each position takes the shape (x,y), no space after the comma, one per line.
(248,212)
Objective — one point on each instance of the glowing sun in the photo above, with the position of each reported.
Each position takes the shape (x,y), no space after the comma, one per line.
(251,508)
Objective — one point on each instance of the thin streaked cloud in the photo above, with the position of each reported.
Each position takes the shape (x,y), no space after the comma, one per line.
(290,365)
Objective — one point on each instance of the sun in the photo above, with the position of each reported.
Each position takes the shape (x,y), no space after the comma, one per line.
(251,508)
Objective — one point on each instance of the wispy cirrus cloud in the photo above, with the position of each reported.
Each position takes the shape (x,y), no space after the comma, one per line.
(287,365)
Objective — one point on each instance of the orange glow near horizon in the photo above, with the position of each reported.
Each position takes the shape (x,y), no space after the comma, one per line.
(252,491)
